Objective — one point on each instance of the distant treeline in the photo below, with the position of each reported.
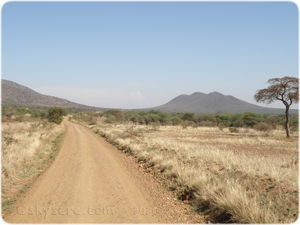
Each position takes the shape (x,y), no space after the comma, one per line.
(220,119)
(152,117)
(21,113)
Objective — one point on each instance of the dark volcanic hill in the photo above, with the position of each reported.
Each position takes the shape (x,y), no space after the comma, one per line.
(16,94)
(214,102)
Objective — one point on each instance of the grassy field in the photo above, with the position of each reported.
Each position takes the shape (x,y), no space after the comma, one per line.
(245,177)
(27,148)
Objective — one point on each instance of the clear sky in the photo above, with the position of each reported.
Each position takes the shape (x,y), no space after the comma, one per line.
(143,54)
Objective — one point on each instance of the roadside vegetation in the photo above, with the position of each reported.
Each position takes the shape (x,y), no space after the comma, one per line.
(29,144)
(229,167)
(259,122)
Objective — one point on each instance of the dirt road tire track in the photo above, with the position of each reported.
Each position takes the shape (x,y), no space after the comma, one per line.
(86,183)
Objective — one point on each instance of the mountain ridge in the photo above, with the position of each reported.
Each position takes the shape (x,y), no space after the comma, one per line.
(197,102)
(213,102)
(16,94)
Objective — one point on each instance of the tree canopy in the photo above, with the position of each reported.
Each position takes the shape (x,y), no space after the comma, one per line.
(284,89)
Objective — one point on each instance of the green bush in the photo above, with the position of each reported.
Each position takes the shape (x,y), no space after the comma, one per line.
(151,118)
(237,120)
(205,117)
(250,118)
(225,118)
(164,118)
(176,121)
(136,118)
(188,116)
(83,118)
(55,114)
(262,126)
(111,119)
(116,113)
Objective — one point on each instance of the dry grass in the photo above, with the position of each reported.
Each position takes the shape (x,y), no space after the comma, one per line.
(26,149)
(245,177)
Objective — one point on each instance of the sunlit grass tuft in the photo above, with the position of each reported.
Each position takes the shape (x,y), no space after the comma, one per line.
(246,177)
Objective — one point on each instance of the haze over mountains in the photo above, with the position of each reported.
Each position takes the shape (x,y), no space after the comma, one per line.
(16,94)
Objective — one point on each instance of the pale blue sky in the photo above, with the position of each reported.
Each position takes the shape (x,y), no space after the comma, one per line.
(143,54)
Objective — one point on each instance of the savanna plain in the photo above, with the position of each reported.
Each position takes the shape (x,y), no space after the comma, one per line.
(29,145)
(226,174)
(229,174)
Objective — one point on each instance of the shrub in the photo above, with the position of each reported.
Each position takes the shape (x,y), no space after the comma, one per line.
(151,118)
(188,116)
(111,119)
(250,119)
(205,117)
(92,120)
(116,113)
(237,120)
(83,118)
(293,123)
(43,115)
(136,118)
(225,118)
(233,129)
(55,114)
(262,126)
(176,121)
(163,118)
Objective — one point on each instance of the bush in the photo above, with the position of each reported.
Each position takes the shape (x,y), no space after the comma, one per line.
(92,120)
(151,118)
(205,117)
(163,118)
(176,121)
(250,119)
(188,116)
(111,119)
(237,120)
(233,129)
(55,114)
(262,126)
(116,113)
(225,118)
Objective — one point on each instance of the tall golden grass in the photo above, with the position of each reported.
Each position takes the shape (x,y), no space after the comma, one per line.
(245,177)
(23,140)
(24,144)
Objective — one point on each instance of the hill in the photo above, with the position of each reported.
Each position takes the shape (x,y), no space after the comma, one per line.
(16,94)
(199,102)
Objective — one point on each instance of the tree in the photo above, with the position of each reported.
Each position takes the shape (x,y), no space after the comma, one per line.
(55,114)
(284,89)
(250,119)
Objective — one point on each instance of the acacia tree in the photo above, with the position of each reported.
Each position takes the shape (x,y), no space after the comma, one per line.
(284,89)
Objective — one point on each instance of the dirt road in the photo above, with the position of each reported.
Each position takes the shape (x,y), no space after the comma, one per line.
(86,183)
